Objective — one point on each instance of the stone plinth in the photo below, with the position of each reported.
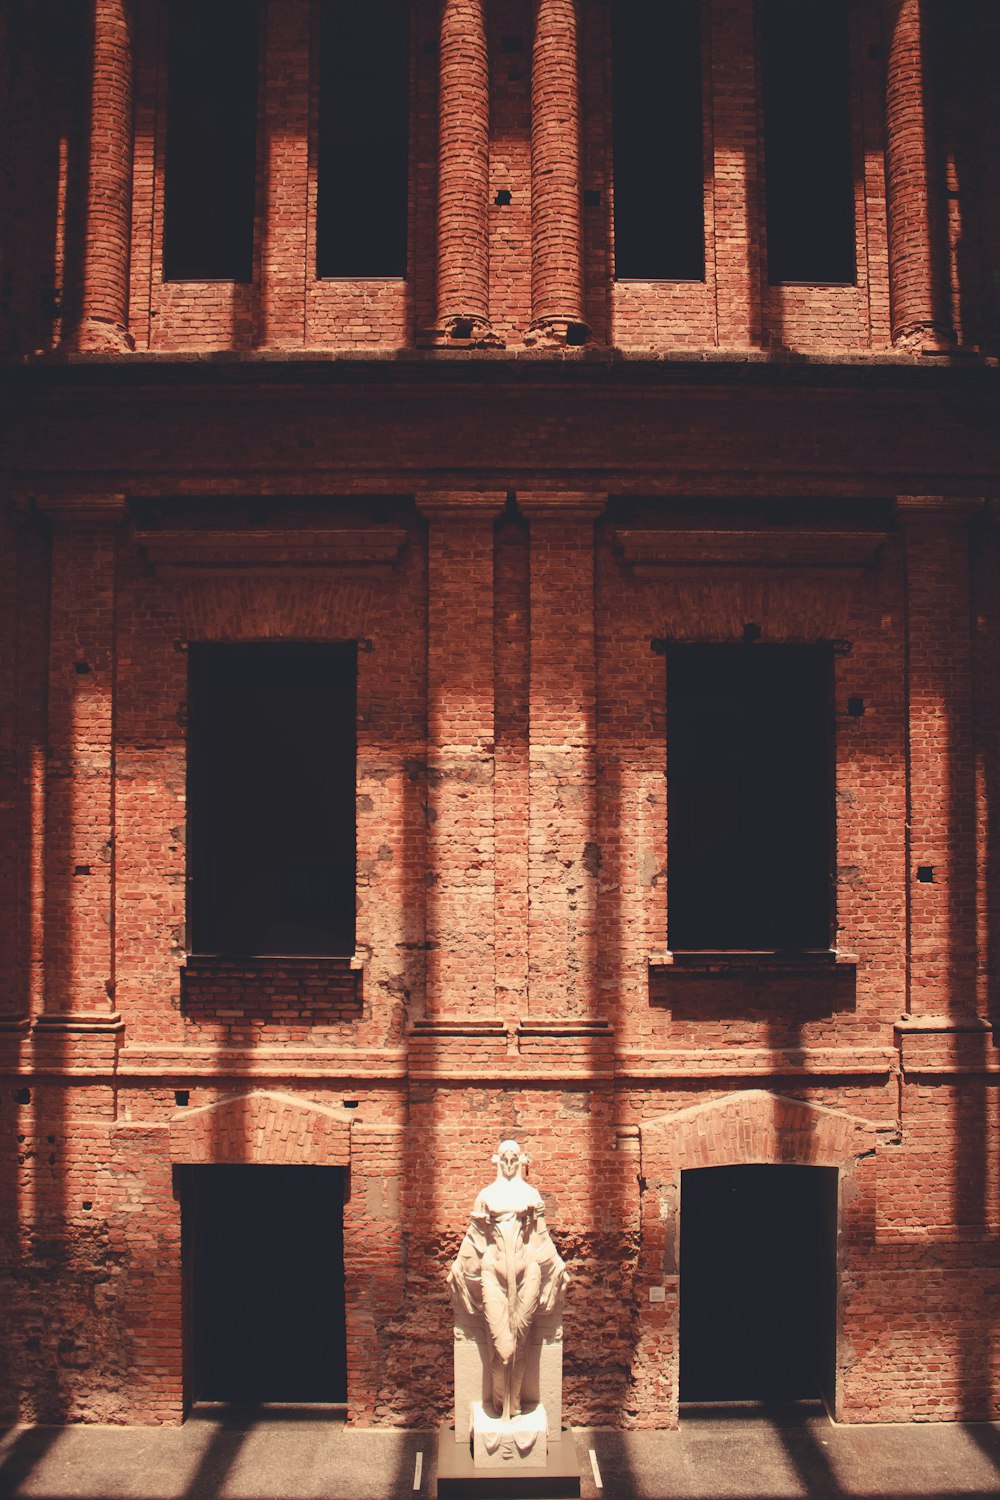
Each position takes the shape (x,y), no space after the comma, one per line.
(459,1479)
(512,1443)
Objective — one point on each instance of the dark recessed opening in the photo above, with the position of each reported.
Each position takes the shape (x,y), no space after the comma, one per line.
(856,707)
(264,1262)
(752,632)
(576,333)
(81,668)
(809,177)
(461,330)
(750,796)
(271,798)
(502,198)
(363,147)
(211,141)
(23,1096)
(81,869)
(925,874)
(757,1283)
(659,209)
(181,1097)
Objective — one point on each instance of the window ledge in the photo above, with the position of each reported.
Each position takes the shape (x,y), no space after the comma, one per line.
(782,960)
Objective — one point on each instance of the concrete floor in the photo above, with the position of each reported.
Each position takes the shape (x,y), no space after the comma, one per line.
(715,1455)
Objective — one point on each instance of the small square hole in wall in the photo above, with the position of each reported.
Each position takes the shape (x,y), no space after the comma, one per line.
(856,707)
(181,1098)
(925,874)
(350,1103)
(502,198)
(23,1096)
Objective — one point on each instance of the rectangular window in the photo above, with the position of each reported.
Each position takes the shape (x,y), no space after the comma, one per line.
(211,140)
(807,141)
(750,797)
(658,164)
(271,801)
(364,72)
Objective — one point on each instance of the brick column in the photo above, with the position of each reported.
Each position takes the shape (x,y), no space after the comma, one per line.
(460,748)
(941,787)
(738,200)
(103,323)
(563,853)
(463,177)
(79,847)
(556,233)
(918,318)
(284,251)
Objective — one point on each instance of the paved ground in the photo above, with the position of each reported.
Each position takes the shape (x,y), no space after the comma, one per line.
(271,1455)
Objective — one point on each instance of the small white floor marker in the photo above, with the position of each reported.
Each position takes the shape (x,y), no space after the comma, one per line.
(418,1469)
(597,1472)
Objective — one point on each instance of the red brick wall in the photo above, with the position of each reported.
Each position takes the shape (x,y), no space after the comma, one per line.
(512,974)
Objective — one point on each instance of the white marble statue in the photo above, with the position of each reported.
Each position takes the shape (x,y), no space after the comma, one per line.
(507,1273)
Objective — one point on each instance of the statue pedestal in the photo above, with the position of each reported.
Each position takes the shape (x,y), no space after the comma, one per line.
(458,1478)
(542,1380)
(521,1442)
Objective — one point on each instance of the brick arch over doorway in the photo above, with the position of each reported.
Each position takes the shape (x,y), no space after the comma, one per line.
(261,1127)
(753,1126)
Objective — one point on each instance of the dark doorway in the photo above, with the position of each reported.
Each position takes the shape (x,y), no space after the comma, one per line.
(758,1283)
(264,1262)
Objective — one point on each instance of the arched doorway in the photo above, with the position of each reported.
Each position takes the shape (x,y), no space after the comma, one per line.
(757,1283)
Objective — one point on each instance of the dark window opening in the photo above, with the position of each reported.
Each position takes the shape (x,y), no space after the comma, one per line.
(364,71)
(271,799)
(758,1283)
(750,797)
(658,165)
(211,141)
(807,141)
(264,1266)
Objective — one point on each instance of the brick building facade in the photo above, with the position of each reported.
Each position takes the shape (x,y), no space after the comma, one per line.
(499,626)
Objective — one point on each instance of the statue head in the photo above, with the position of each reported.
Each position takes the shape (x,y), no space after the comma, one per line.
(509,1159)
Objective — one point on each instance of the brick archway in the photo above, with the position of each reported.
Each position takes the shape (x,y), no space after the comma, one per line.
(263,1128)
(753,1126)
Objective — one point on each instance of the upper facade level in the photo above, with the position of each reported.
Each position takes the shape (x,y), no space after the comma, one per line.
(650,175)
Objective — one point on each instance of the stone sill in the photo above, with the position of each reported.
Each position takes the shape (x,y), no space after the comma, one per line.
(756,960)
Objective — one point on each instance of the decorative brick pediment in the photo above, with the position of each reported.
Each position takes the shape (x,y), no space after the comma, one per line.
(262,1128)
(756,1125)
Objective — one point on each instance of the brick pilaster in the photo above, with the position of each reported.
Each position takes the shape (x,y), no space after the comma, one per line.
(460,752)
(556,232)
(563,853)
(103,321)
(283,253)
(79,848)
(463,176)
(919,318)
(11,867)
(941,773)
(737,186)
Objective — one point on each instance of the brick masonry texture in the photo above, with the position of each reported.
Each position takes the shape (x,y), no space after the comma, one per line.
(511,528)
